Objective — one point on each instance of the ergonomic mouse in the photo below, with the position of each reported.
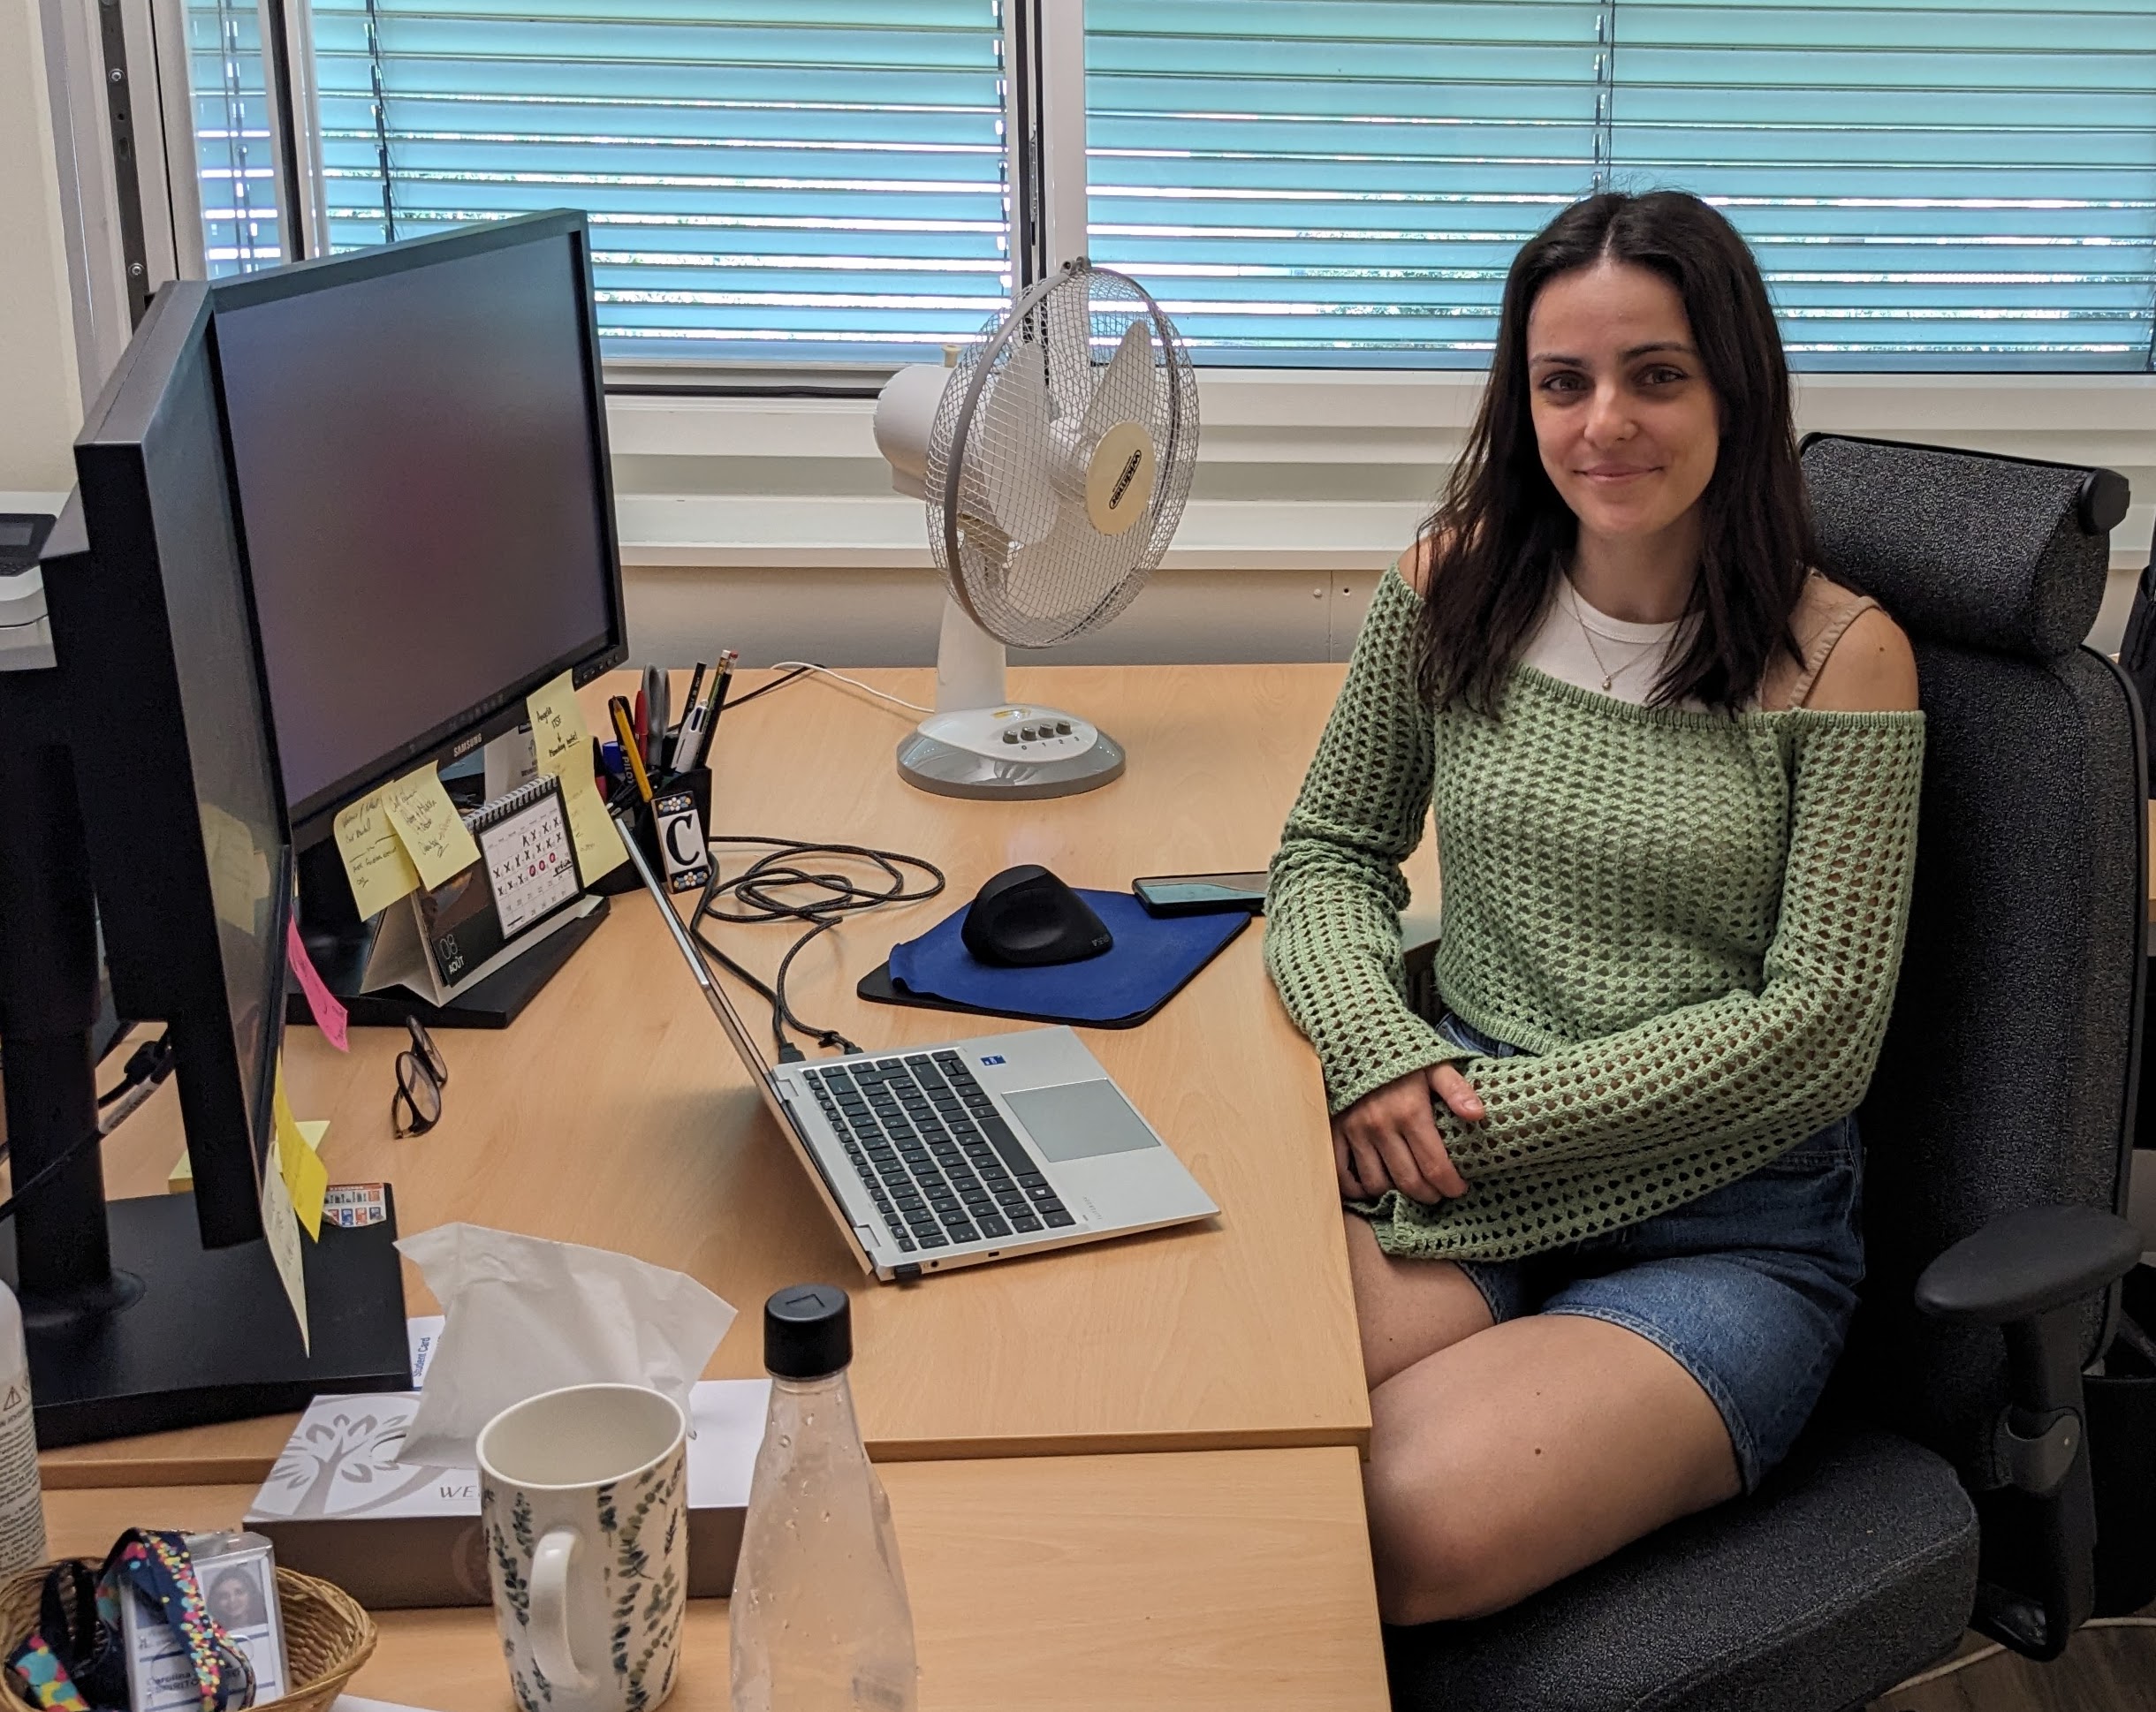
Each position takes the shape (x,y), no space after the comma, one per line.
(1025,917)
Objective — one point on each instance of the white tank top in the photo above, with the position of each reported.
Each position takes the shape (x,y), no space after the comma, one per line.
(1584,647)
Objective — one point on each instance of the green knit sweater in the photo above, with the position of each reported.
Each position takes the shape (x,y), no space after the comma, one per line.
(1693,920)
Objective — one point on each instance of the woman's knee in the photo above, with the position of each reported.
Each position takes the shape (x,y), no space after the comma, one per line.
(1439,1557)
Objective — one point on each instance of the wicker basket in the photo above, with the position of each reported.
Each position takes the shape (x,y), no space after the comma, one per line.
(327,1635)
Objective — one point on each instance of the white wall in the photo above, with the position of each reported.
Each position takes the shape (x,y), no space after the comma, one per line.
(770,527)
(40,406)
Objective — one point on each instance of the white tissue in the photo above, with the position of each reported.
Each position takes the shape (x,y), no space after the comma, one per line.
(526,1315)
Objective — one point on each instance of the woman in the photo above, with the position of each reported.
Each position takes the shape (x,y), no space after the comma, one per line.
(1603,1186)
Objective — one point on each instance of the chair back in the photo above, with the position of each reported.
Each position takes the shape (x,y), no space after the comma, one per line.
(2008,1075)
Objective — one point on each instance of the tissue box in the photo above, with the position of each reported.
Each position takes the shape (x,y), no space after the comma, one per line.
(339,1505)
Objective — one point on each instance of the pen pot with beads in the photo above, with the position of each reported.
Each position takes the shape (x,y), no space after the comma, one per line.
(670,830)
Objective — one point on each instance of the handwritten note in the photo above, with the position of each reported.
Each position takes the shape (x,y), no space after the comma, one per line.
(281,1226)
(238,870)
(374,859)
(327,1013)
(429,828)
(304,1175)
(563,742)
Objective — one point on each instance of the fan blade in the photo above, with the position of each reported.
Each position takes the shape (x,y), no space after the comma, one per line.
(1124,392)
(1054,587)
(1010,448)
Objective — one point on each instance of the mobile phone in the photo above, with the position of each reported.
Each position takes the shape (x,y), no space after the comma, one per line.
(1201,894)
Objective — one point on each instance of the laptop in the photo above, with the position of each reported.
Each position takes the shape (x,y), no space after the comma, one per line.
(940,1156)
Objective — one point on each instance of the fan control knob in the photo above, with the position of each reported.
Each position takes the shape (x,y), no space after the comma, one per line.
(1063,728)
(1010,736)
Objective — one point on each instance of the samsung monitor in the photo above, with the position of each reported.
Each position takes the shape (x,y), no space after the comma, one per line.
(419,437)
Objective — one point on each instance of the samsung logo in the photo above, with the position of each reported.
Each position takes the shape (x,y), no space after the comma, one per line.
(464,746)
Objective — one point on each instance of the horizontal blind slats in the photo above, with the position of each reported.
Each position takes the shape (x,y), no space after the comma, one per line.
(1930,182)
(808,180)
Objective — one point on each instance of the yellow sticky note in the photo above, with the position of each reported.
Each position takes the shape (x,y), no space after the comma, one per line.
(238,870)
(281,1226)
(304,1176)
(562,742)
(374,859)
(429,828)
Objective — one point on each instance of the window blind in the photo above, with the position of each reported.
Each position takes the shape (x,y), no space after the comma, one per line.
(228,88)
(1966,185)
(800,179)
(1333,181)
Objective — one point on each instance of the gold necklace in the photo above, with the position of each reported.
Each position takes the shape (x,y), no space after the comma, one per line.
(1602,665)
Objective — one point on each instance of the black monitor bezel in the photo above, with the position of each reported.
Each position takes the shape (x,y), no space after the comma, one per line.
(160,944)
(312,817)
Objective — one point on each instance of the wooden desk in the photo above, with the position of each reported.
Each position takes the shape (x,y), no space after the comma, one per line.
(614,1113)
(1230,1579)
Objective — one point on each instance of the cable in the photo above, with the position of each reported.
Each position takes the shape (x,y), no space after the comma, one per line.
(146,1067)
(1993,1651)
(866,689)
(768,890)
(765,689)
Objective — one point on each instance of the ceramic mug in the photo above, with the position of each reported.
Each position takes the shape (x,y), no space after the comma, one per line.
(584,1497)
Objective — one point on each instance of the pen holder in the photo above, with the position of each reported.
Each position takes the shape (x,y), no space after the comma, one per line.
(696,783)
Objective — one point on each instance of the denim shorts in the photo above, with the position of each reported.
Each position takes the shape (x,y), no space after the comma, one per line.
(1750,1287)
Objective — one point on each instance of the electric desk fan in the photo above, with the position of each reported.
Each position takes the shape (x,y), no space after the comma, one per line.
(1055,457)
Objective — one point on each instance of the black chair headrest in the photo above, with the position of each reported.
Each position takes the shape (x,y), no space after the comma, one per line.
(2004,554)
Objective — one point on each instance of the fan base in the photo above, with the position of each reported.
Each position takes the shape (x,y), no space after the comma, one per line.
(947,756)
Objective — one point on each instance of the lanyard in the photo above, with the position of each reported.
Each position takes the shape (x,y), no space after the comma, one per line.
(75,1659)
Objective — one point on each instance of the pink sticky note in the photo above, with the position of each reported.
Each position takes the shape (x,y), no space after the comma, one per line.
(329,1014)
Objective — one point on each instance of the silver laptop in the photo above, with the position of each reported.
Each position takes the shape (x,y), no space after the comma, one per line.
(937,1156)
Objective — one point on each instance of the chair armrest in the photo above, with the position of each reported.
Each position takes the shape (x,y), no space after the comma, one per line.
(2027,1263)
(2029,1273)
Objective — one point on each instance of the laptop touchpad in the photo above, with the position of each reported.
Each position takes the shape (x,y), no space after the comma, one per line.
(1080,1119)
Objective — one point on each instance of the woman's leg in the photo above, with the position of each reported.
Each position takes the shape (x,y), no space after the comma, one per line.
(1407,1309)
(1518,1454)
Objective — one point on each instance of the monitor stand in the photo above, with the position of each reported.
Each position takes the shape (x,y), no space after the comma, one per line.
(175,1335)
(340,943)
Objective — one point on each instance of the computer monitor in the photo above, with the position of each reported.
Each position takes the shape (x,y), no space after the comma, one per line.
(418,435)
(143,796)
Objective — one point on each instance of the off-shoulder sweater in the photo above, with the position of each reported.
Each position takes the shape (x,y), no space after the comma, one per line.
(1692,921)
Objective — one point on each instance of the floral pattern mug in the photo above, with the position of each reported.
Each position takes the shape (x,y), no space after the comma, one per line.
(583,1499)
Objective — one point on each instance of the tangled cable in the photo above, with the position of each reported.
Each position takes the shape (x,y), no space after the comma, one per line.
(783,885)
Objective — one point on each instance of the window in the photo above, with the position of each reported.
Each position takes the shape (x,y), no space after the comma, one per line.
(1929,183)
(1965,186)
(242,228)
(766,179)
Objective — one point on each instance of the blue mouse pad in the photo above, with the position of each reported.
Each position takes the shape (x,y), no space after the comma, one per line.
(1151,960)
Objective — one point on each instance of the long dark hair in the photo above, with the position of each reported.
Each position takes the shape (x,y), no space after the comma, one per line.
(1501,533)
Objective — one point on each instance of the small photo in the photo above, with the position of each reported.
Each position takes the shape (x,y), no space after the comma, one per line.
(236,1595)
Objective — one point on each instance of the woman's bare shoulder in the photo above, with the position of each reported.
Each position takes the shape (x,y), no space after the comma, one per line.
(1872,669)
(1416,565)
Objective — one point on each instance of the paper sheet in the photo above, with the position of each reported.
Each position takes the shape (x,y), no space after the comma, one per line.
(281,1226)
(563,742)
(238,870)
(374,859)
(429,826)
(321,1003)
(301,1166)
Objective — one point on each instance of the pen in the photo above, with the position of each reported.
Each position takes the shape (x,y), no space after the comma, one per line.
(708,721)
(655,714)
(624,728)
(677,744)
(696,732)
(639,721)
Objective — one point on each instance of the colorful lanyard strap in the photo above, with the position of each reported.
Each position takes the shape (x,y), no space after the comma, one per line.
(75,1661)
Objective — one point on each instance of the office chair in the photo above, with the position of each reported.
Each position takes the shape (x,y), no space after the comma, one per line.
(1946,1481)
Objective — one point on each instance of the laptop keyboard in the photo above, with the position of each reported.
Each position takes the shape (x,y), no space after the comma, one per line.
(935,1155)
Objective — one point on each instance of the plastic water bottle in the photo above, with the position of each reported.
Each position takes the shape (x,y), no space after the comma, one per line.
(820,1619)
(22,1509)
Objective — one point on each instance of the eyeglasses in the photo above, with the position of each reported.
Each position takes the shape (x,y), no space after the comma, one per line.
(421,1075)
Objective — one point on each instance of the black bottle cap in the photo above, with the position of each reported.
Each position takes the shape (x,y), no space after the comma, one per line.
(808,1331)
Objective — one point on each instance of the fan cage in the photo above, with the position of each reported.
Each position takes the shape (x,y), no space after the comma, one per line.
(1036,593)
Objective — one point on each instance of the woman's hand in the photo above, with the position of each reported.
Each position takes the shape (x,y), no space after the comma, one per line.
(1388,1138)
